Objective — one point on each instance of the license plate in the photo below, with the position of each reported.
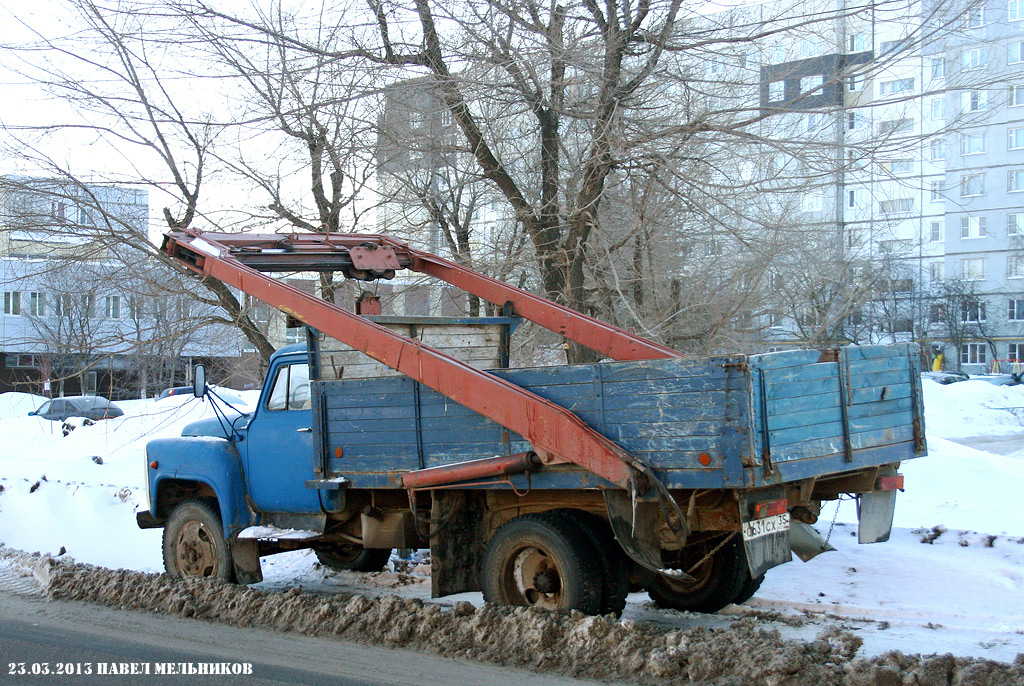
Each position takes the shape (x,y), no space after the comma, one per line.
(763,527)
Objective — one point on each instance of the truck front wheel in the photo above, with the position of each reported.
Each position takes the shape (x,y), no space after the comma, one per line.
(541,561)
(194,543)
(353,557)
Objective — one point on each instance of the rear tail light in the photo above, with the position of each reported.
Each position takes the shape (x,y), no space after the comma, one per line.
(770,508)
(889,483)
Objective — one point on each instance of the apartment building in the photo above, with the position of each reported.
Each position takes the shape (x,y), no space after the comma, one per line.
(84,310)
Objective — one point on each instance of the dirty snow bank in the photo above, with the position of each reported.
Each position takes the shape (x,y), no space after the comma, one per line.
(564,643)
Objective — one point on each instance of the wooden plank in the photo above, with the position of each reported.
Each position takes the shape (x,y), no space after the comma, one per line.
(872,352)
(804,434)
(368,414)
(668,413)
(801,388)
(651,370)
(783,406)
(875,393)
(880,379)
(878,364)
(884,421)
(371,437)
(880,407)
(692,399)
(819,415)
(785,358)
(664,429)
(822,370)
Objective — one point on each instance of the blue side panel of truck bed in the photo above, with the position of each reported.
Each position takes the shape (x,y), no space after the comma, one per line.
(753,420)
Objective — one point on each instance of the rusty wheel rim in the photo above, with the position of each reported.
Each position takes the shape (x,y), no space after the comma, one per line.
(195,550)
(534,579)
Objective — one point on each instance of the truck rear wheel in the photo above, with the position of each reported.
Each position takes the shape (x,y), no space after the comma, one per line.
(540,561)
(194,543)
(612,561)
(353,557)
(718,580)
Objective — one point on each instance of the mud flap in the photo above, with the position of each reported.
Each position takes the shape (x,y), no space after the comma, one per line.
(636,524)
(765,549)
(457,545)
(806,542)
(875,510)
(245,557)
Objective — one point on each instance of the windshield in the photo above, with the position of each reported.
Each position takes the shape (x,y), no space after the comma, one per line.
(92,403)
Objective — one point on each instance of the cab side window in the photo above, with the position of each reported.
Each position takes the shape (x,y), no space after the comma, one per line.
(290,390)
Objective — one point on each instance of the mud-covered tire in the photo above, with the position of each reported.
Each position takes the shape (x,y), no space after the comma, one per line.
(353,557)
(612,561)
(194,543)
(749,588)
(540,560)
(717,582)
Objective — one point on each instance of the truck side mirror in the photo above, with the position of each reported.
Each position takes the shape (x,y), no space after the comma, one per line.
(199,381)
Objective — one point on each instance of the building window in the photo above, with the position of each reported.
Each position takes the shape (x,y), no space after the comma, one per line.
(972,143)
(776,91)
(896,87)
(1016,52)
(1015,10)
(1016,310)
(811,122)
(972,227)
(888,46)
(1015,266)
(716,65)
(973,353)
(936,272)
(1016,98)
(852,121)
(898,206)
(973,268)
(938,108)
(12,302)
(59,210)
(853,83)
(1015,352)
(813,201)
(112,307)
(975,18)
(1014,224)
(975,58)
(898,166)
(855,43)
(974,101)
(935,234)
(938,68)
(972,185)
(811,83)
(37,304)
(937,150)
(895,126)
(812,47)
(972,311)
(1015,181)
(935,192)
(1015,139)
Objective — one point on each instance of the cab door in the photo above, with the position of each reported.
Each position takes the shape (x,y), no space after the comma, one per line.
(278,443)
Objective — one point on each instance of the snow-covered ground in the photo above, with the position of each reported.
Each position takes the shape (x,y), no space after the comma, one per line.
(962,592)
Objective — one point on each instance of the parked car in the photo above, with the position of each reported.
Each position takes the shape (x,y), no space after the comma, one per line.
(999,379)
(177,390)
(945,378)
(88,406)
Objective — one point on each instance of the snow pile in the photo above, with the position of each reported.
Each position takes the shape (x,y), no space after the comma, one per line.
(566,643)
(972,408)
(19,404)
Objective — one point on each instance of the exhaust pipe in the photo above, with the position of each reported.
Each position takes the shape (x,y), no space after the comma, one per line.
(805,542)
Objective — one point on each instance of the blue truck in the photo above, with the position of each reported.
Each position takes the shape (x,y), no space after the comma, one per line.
(557,487)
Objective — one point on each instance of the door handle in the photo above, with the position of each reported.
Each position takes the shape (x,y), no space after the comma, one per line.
(305,430)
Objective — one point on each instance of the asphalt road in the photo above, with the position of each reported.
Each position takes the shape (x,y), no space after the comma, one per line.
(39,635)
